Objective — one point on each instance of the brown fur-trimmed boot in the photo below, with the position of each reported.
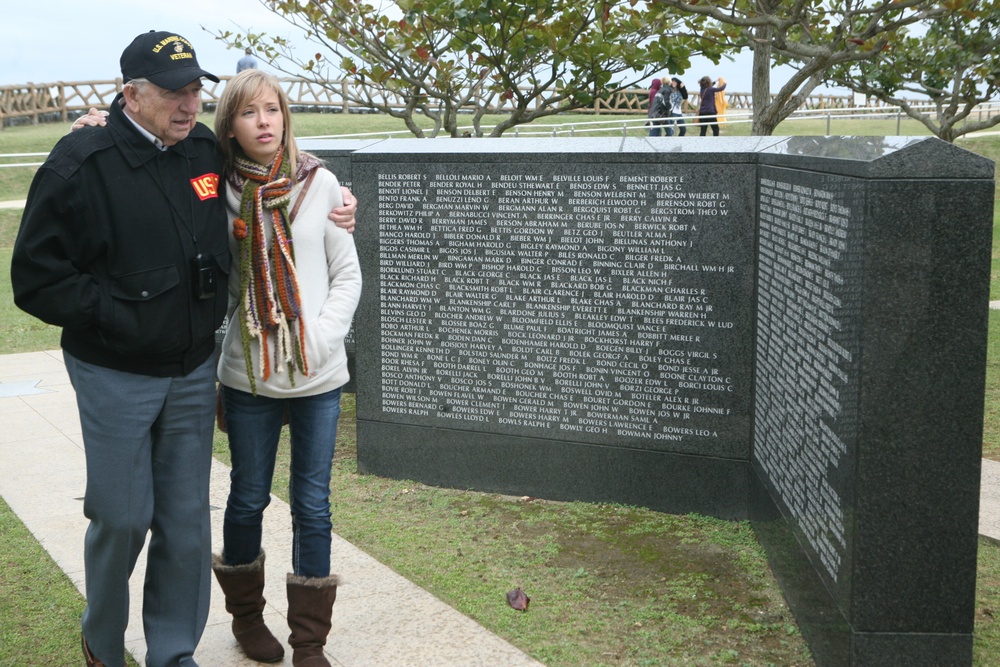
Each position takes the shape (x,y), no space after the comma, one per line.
(310,608)
(244,589)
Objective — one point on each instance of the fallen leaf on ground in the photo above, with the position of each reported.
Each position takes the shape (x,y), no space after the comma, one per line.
(518,600)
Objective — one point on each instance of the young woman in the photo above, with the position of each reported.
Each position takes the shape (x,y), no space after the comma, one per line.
(291,305)
(678,95)
(707,111)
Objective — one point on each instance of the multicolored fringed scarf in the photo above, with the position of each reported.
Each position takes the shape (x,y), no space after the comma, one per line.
(269,285)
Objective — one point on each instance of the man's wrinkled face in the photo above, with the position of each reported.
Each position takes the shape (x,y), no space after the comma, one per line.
(169,115)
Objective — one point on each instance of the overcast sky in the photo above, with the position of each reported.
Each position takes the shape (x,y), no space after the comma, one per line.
(44,41)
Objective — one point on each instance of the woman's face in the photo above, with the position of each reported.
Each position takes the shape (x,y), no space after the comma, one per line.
(259,127)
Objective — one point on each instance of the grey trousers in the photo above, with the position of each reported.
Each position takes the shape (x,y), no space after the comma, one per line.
(148,444)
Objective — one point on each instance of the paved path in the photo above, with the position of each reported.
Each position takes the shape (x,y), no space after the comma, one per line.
(989,501)
(380,619)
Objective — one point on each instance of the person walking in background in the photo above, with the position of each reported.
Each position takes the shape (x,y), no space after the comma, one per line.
(707,112)
(246,62)
(655,111)
(283,353)
(677,96)
(123,244)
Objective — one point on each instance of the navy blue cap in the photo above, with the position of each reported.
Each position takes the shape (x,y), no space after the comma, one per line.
(165,58)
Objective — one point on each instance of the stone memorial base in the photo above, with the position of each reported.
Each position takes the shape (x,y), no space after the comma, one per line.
(675,483)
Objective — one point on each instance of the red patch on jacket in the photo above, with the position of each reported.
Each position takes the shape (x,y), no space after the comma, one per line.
(206,187)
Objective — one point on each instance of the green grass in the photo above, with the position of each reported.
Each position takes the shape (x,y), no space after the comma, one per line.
(10,218)
(986,639)
(39,606)
(19,332)
(610,585)
(990,147)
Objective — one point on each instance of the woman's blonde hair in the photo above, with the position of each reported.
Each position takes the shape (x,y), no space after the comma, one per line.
(240,91)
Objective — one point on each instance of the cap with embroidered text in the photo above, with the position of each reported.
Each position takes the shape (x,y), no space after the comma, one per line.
(165,58)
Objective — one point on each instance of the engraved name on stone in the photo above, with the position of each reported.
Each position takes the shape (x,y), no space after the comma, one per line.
(567,302)
(803,421)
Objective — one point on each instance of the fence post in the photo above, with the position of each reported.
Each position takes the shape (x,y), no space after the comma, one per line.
(828,119)
(63,112)
(343,94)
(899,120)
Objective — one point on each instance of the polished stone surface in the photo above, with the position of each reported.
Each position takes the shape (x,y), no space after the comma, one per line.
(842,373)
(580,313)
(336,154)
(867,482)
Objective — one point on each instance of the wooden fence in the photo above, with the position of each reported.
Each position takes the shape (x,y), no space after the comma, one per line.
(63,100)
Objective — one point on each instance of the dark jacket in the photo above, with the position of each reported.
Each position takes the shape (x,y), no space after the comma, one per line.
(660,107)
(707,105)
(105,250)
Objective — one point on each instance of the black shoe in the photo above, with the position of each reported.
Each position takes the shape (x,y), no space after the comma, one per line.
(88,656)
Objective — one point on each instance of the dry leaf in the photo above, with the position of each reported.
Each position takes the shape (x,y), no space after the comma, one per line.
(518,600)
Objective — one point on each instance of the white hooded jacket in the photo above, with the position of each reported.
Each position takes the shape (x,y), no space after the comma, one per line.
(329,289)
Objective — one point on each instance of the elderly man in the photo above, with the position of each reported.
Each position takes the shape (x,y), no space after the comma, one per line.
(123,243)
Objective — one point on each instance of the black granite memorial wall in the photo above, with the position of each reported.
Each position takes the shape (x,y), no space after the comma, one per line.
(872,289)
(571,326)
(787,329)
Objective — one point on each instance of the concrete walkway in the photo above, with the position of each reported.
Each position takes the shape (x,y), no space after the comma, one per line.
(989,501)
(380,619)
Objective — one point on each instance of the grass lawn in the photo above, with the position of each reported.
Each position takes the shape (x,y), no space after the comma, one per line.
(610,585)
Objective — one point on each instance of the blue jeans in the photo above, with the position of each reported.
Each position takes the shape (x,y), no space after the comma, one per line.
(254,424)
(676,119)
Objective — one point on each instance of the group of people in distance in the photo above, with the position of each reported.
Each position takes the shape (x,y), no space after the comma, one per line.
(665,110)
(141,232)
